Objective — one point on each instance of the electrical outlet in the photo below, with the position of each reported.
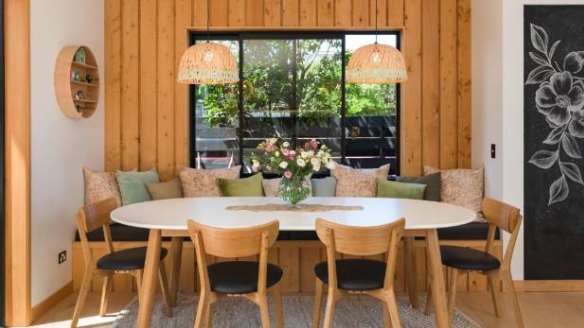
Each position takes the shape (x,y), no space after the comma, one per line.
(62,257)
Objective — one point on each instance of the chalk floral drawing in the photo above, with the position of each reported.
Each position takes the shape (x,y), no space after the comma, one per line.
(560,99)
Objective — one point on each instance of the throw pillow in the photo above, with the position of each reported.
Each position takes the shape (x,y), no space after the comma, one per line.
(272,186)
(462,187)
(100,186)
(133,185)
(165,190)
(203,183)
(246,187)
(325,187)
(393,189)
(433,185)
(358,182)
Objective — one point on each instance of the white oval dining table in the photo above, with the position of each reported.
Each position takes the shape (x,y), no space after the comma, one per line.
(169,218)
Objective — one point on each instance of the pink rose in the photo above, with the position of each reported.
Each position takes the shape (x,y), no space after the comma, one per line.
(292,153)
(269,148)
(285,152)
(313,143)
(288,174)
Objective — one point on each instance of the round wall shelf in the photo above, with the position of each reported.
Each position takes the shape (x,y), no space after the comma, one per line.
(77,82)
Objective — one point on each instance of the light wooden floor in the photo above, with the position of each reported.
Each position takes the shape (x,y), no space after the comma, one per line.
(545,310)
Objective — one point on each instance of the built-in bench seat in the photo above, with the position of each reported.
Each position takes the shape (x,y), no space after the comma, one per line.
(470,231)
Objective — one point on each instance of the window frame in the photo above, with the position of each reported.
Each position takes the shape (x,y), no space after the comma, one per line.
(196,36)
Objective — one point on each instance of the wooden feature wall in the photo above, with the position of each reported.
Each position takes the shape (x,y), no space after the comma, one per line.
(17,266)
(296,258)
(147,110)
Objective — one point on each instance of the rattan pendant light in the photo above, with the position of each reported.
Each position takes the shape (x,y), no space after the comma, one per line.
(208,63)
(376,63)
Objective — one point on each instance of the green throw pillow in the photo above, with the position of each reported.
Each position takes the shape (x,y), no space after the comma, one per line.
(165,190)
(393,189)
(133,185)
(325,187)
(433,185)
(246,187)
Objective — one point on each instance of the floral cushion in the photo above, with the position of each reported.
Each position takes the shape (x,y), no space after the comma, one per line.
(462,187)
(203,183)
(100,186)
(358,182)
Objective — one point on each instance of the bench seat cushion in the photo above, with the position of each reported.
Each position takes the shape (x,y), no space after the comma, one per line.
(470,231)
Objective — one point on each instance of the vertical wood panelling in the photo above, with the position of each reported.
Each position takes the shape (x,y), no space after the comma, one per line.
(166,84)
(343,10)
(236,13)
(448,75)
(183,19)
(113,86)
(148,78)
(431,83)
(308,15)
(395,13)
(273,13)
(130,84)
(464,84)
(411,107)
(147,112)
(290,12)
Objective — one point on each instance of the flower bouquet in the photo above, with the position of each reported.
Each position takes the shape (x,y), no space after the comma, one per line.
(293,164)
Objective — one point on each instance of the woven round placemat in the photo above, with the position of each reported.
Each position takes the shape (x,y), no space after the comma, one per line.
(297,208)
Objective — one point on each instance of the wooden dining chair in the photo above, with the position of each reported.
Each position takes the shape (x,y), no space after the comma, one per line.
(463,259)
(128,261)
(250,279)
(358,276)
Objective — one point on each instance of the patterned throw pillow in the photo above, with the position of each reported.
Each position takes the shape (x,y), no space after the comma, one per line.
(462,187)
(203,183)
(358,182)
(100,186)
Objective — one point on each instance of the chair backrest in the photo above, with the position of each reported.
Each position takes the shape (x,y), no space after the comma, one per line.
(94,216)
(232,243)
(505,217)
(360,241)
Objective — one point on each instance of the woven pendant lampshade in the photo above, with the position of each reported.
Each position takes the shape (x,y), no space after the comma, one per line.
(208,63)
(377,63)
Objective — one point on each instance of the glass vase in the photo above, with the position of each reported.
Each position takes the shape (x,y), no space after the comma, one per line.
(294,190)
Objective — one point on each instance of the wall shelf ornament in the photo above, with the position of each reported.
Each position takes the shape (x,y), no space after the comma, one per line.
(77,82)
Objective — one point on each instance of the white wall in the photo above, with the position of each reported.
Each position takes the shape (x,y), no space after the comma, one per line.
(60,146)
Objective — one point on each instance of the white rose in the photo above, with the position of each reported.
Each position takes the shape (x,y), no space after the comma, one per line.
(310,154)
(303,154)
(315,164)
(272,141)
(283,165)
(277,154)
(301,162)
(286,144)
(331,165)
(255,162)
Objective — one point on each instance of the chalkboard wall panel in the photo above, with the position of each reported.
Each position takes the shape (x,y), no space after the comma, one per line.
(554,142)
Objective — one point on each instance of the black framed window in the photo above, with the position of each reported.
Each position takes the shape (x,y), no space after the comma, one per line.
(293,86)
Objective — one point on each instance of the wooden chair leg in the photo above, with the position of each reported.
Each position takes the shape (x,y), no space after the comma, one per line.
(208,315)
(318,292)
(387,316)
(452,292)
(105,290)
(278,309)
(392,307)
(85,285)
(329,313)
(138,275)
(264,312)
(410,265)
(201,310)
(164,288)
(493,279)
(428,307)
(509,282)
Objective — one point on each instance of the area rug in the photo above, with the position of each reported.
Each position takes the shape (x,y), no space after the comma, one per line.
(352,312)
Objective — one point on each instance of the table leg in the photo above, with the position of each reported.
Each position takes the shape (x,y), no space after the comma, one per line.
(411,274)
(438,285)
(176,247)
(149,281)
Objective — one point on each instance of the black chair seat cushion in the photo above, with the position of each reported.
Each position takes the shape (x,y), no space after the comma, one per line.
(240,277)
(355,274)
(468,259)
(128,259)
